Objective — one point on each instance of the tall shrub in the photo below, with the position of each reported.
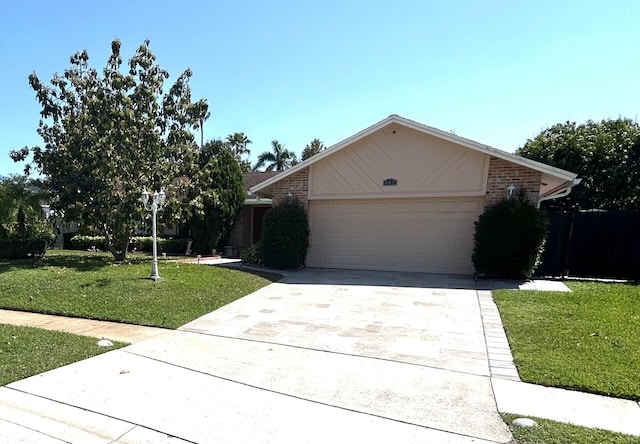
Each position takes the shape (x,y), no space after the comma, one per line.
(509,240)
(285,236)
(221,176)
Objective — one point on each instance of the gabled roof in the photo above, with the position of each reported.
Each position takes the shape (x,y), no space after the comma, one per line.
(558,175)
(257,177)
(253,179)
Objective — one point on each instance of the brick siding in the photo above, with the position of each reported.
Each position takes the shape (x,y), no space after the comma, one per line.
(503,173)
(296,184)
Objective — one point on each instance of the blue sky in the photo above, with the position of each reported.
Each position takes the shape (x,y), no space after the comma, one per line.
(497,72)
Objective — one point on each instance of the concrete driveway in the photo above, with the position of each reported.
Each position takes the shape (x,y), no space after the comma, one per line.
(322,356)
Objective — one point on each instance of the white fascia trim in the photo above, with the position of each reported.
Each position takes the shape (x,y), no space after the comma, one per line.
(321,155)
(565,187)
(394,118)
(258,201)
(486,149)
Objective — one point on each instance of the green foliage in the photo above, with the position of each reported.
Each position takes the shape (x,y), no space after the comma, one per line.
(606,155)
(21,216)
(312,149)
(108,134)
(253,254)
(22,248)
(221,177)
(279,158)
(586,340)
(89,285)
(81,242)
(165,245)
(509,240)
(139,243)
(30,351)
(239,143)
(285,236)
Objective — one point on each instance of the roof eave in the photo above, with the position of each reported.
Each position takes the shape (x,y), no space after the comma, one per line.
(322,154)
(394,118)
(523,161)
(257,201)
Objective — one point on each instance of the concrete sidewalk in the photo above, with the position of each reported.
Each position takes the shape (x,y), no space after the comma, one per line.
(322,356)
(114,331)
(514,396)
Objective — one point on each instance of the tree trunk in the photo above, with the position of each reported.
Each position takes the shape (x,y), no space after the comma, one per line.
(117,247)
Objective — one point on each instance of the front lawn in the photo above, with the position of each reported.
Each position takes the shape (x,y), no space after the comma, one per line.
(90,285)
(587,340)
(551,432)
(26,351)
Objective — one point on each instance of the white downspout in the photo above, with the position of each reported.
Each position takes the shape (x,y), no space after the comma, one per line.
(564,193)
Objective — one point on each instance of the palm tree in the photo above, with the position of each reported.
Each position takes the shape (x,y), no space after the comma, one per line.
(201,108)
(238,144)
(278,159)
(312,149)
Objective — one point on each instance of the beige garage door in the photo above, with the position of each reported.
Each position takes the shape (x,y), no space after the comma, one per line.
(426,235)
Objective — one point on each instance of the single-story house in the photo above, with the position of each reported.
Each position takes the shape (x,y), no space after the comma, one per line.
(400,195)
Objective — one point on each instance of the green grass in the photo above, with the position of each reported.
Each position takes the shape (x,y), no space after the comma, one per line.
(26,351)
(587,340)
(551,432)
(90,285)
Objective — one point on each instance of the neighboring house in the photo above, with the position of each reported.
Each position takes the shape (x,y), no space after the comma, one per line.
(247,227)
(404,196)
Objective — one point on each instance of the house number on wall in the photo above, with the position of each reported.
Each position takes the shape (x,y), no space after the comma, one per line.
(389,182)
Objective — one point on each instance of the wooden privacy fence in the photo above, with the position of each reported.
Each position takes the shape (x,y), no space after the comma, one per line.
(593,243)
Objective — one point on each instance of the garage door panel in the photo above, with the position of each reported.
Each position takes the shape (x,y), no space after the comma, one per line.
(470,207)
(445,207)
(432,235)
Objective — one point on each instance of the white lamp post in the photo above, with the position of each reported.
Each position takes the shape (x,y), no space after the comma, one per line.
(157,200)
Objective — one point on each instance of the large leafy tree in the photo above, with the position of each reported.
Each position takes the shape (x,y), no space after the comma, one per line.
(239,143)
(279,158)
(313,148)
(606,155)
(109,134)
(223,194)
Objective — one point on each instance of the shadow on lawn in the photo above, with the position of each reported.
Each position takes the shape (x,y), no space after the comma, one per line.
(77,262)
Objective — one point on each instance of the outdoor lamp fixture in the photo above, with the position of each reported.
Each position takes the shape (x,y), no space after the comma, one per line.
(510,189)
(157,200)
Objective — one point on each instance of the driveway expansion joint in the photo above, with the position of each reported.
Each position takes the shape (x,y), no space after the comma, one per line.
(302,398)
(333,352)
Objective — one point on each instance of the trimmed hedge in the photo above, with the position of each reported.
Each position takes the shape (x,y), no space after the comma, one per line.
(509,240)
(169,246)
(80,242)
(22,248)
(285,236)
(140,243)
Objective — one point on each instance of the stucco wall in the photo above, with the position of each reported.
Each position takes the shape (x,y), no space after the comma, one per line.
(503,173)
